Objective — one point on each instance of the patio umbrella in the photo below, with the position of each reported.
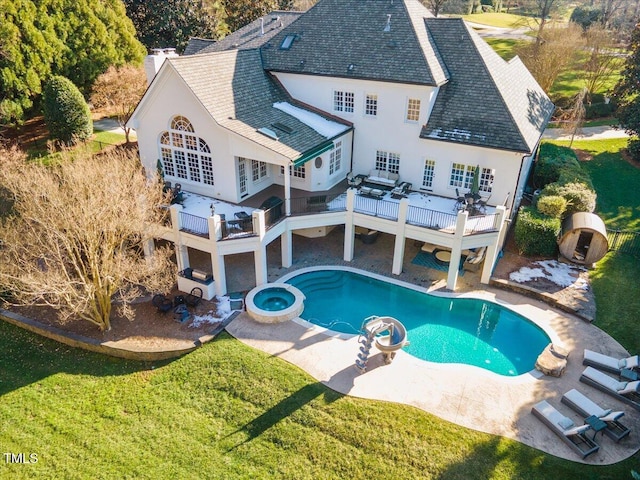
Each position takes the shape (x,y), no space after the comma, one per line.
(475,185)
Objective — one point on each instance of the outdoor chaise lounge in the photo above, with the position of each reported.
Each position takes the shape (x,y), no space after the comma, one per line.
(607,363)
(627,392)
(586,407)
(563,427)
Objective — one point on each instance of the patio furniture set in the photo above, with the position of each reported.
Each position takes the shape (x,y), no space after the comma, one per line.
(378,183)
(179,304)
(596,419)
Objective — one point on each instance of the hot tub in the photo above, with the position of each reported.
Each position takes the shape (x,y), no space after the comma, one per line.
(274,303)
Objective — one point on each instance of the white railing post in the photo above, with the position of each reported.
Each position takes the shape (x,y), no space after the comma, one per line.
(398,248)
(456,249)
(349,238)
(491,255)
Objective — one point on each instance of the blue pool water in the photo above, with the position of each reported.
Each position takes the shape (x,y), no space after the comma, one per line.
(445,330)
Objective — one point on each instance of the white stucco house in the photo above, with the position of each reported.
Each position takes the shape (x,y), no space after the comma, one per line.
(296,101)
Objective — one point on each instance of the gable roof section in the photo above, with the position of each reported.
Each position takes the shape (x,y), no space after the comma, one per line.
(488,102)
(251,35)
(196,44)
(335,34)
(240,96)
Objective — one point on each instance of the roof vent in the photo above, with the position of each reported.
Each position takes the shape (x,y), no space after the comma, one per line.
(267,132)
(351,67)
(262,26)
(387,27)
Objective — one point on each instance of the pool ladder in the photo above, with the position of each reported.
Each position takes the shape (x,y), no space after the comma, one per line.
(369,331)
(365,350)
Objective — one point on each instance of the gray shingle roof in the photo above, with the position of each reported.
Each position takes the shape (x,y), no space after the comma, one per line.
(488,102)
(251,36)
(239,95)
(196,44)
(334,34)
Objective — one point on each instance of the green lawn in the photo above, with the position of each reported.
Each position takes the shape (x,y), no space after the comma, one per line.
(505,47)
(228,411)
(615,278)
(503,20)
(100,140)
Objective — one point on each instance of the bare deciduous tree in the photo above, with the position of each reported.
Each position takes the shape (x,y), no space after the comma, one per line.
(553,54)
(601,62)
(75,236)
(573,117)
(118,91)
(434,5)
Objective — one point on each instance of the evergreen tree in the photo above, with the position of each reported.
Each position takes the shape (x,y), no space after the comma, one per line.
(78,39)
(65,111)
(242,12)
(627,94)
(170,23)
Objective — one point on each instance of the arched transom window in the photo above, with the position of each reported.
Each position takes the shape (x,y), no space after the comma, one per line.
(184,154)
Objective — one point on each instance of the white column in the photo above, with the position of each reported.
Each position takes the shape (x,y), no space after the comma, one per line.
(217,261)
(456,249)
(286,248)
(398,249)
(491,254)
(349,231)
(287,191)
(260,263)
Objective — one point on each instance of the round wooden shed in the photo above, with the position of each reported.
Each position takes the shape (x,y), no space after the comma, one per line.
(583,238)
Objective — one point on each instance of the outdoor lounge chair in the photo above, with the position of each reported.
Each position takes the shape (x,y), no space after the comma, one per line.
(627,392)
(609,364)
(586,407)
(574,436)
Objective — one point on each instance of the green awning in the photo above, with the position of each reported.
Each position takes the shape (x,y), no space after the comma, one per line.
(313,153)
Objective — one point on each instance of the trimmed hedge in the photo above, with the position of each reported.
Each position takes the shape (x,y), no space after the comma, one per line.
(579,197)
(552,162)
(65,111)
(552,205)
(536,234)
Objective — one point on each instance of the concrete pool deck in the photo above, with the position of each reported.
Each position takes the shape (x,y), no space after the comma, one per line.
(468,396)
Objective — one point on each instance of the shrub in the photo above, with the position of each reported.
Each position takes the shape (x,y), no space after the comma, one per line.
(535,233)
(599,110)
(552,160)
(633,147)
(579,197)
(552,205)
(65,111)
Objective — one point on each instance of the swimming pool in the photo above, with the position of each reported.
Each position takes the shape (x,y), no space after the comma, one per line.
(441,329)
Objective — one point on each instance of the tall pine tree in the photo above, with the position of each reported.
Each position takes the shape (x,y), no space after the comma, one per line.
(78,39)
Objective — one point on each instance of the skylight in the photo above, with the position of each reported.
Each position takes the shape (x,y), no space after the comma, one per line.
(287,42)
(268,133)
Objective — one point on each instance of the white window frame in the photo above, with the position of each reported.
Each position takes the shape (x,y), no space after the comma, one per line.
(299,171)
(371,105)
(487,176)
(461,175)
(413,110)
(184,155)
(343,101)
(387,161)
(335,158)
(258,170)
(428,174)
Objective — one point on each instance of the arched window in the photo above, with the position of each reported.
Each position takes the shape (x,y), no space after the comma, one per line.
(185,155)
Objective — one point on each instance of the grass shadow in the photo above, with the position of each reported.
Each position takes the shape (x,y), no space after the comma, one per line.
(284,409)
(28,358)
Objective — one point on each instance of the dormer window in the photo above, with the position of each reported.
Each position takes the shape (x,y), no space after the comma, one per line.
(287,42)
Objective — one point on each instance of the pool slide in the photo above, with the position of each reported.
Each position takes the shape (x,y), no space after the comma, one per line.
(388,344)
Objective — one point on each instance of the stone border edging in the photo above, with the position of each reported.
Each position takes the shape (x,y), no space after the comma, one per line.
(538,295)
(93,345)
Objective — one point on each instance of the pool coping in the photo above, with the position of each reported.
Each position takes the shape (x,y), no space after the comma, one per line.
(462,394)
(551,333)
